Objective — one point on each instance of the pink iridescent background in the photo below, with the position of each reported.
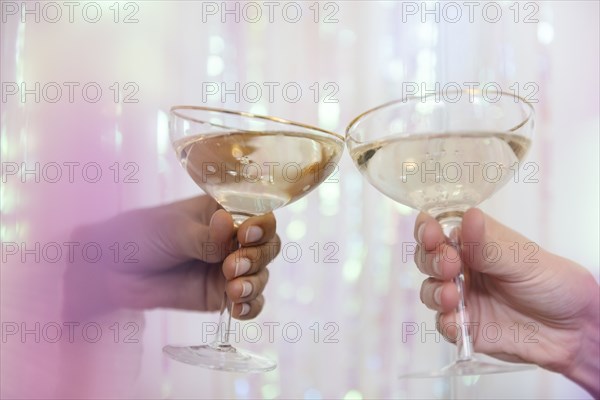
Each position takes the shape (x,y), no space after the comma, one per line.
(351,312)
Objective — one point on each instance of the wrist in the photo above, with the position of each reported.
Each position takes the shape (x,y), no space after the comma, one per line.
(585,368)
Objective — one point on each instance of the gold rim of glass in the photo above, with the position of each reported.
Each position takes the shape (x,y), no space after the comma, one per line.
(411,98)
(174,110)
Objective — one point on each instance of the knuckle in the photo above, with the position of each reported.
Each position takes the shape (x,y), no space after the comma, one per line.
(276,245)
(271,219)
(263,278)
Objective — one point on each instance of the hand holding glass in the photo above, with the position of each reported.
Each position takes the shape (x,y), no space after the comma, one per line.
(250,165)
(444,153)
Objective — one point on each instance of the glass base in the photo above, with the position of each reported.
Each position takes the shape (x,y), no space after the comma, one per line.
(470,367)
(222,358)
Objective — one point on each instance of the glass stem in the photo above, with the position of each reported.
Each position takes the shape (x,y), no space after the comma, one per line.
(450,226)
(221,341)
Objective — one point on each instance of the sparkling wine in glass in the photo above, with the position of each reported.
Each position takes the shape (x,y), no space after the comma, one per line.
(250,165)
(444,153)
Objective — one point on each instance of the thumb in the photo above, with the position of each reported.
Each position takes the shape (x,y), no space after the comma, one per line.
(213,243)
(220,227)
(483,250)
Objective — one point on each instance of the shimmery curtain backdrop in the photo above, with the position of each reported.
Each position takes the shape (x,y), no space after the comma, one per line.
(92,82)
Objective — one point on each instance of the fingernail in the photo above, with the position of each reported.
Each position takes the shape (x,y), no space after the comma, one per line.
(245,309)
(253,234)
(435,264)
(211,219)
(246,288)
(420,233)
(437,296)
(242,266)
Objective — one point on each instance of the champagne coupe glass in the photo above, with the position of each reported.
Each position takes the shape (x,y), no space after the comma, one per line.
(251,165)
(443,153)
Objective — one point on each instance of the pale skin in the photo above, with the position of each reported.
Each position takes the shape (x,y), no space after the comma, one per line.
(184,256)
(553,301)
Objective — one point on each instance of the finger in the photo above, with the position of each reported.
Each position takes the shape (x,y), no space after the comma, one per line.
(439,296)
(442,263)
(484,251)
(207,243)
(428,232)
(250,260)
(249,309)
(221,227)
(447,326)
(257,230)
(247,288)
